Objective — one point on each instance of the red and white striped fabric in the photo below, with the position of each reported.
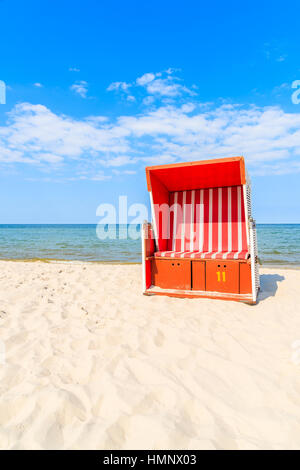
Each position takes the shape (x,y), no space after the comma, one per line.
(208,224)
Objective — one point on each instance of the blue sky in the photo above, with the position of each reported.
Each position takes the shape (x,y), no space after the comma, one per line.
(98,90)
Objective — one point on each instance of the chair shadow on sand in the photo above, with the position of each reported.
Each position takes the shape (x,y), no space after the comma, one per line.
(269,285)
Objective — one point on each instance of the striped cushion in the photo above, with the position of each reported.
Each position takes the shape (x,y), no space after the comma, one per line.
(207,223)
(206,255)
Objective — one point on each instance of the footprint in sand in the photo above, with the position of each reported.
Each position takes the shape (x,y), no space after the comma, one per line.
(2,314)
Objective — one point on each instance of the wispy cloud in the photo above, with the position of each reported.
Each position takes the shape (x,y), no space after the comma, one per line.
(74,69)
(124,172)
(81,88)
(269,138)
(121,160)
(281,89)
(281,58)
(163,84)
(100,176)
(273,51)
(148,100)
(119,86)
(156,85)
(38,85)
(146,78)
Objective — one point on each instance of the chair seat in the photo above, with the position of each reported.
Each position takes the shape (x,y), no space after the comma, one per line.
(204,255)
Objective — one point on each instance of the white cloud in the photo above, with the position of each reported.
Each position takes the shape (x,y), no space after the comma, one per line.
(171,70)
(161,159)
(100,176)
(121,160)
(145,79)
(124,172)
(277,90)
(148,100)
(163,87)
(273,51)
(49,158)
(38,85)
(268,137)
(119,86)
(159,84)
(35,135)
(74,69)
(163,84)
(167,87)
(81,88)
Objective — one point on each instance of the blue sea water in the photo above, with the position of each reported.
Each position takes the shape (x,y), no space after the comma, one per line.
(279,244)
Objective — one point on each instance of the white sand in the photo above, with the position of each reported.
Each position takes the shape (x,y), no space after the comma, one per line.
(92,363)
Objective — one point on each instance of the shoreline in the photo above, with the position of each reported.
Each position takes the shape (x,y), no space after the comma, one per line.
(121,263)
(67,261)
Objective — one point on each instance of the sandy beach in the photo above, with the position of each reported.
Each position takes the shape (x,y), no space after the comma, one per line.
(88,362)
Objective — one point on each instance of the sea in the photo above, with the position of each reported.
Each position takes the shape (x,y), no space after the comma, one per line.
(278,244)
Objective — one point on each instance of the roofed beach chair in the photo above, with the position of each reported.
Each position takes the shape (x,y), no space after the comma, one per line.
(202,240)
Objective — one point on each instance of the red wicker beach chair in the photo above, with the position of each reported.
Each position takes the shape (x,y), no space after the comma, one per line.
(202,240)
